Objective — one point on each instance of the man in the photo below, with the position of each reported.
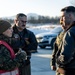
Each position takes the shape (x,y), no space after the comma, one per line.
(27,42)
(65,57)
(65,54)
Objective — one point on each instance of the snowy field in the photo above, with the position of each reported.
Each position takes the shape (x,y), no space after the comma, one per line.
(41,29)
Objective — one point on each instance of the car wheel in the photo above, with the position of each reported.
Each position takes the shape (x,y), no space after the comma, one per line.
(42,47)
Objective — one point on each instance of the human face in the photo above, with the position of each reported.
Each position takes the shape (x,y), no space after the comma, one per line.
(65,20)
(21,22)
(8,32)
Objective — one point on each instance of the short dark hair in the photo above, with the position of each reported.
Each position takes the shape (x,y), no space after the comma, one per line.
(68,9)
(20,15)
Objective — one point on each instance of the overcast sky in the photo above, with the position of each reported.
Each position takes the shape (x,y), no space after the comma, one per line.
(40,7)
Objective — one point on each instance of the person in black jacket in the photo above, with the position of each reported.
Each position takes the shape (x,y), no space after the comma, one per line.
(57,46)
(65,57)
(27,41)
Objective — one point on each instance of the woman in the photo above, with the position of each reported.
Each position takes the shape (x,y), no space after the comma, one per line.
(9,62)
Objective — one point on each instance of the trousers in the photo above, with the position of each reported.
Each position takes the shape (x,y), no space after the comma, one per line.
(25,70)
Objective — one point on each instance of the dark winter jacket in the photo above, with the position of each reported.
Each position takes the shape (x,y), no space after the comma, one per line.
(25,39)
(66,59)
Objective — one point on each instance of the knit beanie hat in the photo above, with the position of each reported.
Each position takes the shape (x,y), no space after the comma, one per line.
(4,25)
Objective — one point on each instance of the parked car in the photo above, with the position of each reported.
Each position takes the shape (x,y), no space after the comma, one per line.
(48,38)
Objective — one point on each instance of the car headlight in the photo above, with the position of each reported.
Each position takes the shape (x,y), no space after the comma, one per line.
(39,39)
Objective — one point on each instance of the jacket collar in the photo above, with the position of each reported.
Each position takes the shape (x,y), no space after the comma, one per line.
(71,25)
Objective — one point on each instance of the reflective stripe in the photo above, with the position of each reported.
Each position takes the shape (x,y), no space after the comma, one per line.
(14,72)
(9,48)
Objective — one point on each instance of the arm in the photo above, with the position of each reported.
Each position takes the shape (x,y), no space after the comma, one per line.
(6,62)
(56,49)
(53,59)
(32,42)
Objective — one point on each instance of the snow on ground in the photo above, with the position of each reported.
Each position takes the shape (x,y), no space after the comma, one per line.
(41,29)
(38,30)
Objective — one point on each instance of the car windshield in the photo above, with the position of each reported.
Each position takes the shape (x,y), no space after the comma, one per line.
(56,30)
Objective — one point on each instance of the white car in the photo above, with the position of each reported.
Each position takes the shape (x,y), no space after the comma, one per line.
(48,38)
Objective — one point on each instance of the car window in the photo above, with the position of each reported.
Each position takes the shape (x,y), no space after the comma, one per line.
(56,30)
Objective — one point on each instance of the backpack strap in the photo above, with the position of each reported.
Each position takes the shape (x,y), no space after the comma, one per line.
(8,47)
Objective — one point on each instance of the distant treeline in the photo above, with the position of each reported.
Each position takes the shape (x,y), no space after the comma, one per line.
(44,19)
(40,19)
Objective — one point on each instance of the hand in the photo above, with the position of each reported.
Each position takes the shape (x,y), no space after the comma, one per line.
(21,55)
(53,68)
(61,70)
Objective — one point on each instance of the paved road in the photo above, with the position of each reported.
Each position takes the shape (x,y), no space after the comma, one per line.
(40,62)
